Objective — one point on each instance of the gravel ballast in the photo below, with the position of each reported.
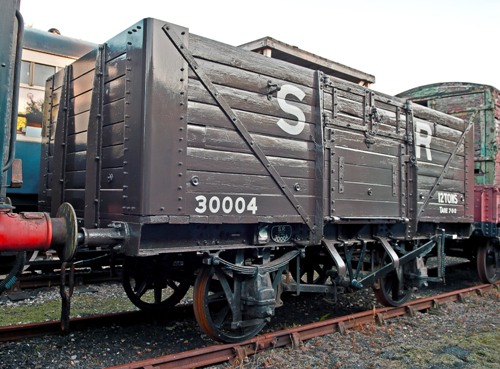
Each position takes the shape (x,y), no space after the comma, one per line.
(457,335)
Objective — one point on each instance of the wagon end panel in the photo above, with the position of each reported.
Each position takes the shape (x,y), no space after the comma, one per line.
(64,136)
(84,145)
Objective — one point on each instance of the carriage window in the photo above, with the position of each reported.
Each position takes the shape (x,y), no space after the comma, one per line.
(25,72)
(35,74)
(41,72)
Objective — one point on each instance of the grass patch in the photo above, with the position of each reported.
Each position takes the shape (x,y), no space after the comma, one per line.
(81,305)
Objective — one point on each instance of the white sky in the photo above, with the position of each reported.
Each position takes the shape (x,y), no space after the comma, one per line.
(405,44)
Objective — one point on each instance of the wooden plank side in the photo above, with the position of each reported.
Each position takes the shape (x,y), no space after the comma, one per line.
(425,184)
(224,140)
(204,48)
(247,80)
(80,103)
(76,142)
(112,157)
(111,201)
(75,180)
(214,183)
(438,117)
(201,114)
(456,170)
(81,84)
(114,90)
(84,65)
(76,161)
(112,178)
(113,134)
(115,68)
(250,101)
(360,172)
(78,123)
(244,163)
(355,141)
(355,208)
(113,112)
(444,213)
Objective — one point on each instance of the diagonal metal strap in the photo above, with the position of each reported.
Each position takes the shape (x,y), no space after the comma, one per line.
(447,165)
(254,147)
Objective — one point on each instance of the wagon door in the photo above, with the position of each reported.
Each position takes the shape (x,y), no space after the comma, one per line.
(364,135)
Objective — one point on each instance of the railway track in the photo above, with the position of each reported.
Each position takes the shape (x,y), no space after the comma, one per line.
(31,281)
(21,331)
(295,336)
(236,352)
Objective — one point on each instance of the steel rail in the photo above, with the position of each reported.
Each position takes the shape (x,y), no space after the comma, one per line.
(17,332)
(295,336)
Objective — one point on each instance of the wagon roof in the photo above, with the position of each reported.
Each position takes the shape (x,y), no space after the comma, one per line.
(446,88)
(51,43)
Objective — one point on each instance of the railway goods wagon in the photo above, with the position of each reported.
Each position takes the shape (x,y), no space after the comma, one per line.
(481,105)
(248,176)
(463,100)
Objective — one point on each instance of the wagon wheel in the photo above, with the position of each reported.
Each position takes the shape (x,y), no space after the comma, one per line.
(390,292)
(313,270)
(389,289)
(215,307)
(488,262)
(148,287)
(11,264)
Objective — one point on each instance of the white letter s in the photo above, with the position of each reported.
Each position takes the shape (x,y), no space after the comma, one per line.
(298,127)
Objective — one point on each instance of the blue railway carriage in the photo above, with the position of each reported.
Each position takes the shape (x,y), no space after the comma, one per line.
(246,176)
(43,54)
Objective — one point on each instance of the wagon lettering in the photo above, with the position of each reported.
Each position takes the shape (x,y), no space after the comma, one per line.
(443,210)
(227,205)
(298,126)
(447,198)
(423,137)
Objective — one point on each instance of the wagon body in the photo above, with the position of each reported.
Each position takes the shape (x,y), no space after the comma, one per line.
(196,144)
(465,100)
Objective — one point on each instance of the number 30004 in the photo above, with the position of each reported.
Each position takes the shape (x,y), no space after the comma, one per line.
(227,205)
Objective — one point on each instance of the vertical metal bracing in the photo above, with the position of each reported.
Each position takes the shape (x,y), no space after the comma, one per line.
(60,146)
(319,168)
(329,145)
(403,165)
(94,144)
(411,173)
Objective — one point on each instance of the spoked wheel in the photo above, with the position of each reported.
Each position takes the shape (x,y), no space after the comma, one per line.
(312,270)
(11,264)
(148,287)
(216,311)
(390,292)
(488,259)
